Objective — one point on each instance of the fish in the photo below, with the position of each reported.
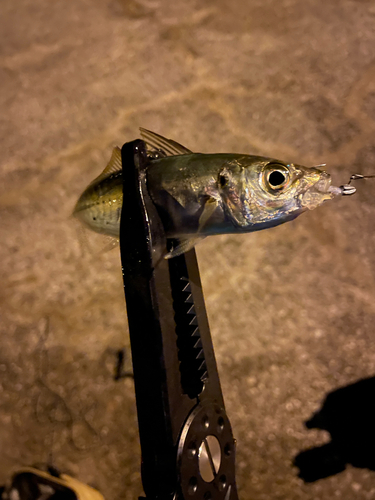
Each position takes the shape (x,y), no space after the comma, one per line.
(199,195)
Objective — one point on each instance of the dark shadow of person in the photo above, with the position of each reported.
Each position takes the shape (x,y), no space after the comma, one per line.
(348,414)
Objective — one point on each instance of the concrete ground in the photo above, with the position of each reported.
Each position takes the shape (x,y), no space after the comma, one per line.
(291,309)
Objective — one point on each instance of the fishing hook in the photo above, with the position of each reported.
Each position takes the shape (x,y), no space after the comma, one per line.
(347,189)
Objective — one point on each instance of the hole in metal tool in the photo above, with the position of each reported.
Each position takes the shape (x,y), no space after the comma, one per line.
(220,424)
(222,482)
(193,486)
(205,422)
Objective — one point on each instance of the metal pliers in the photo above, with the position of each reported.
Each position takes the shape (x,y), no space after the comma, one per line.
(187,445)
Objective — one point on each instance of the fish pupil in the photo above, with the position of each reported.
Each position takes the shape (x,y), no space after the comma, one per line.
(276,178)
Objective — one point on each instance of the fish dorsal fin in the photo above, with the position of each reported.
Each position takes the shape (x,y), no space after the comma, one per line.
(114,165)
(163,145)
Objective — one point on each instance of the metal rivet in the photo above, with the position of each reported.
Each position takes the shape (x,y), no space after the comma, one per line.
(209,458)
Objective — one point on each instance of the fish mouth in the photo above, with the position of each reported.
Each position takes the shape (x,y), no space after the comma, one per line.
(318,191)
(323,184)
(322,191)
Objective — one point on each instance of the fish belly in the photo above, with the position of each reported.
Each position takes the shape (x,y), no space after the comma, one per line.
(99,207)
(102,220)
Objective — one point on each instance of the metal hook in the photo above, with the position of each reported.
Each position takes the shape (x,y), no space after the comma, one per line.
(356,177)
(347,189)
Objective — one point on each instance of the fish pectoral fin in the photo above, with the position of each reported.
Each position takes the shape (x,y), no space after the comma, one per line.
(114,165)
(185,245)
(209,208)
(168,147)
(188,243)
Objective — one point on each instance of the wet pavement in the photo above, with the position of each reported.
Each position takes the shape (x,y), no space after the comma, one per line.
(291,309)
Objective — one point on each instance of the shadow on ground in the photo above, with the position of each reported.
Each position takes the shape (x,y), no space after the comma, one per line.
(348,414)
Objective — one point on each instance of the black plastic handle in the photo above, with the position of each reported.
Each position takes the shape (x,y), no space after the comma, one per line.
(178,393)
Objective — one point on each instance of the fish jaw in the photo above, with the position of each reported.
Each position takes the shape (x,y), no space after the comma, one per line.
(319,192)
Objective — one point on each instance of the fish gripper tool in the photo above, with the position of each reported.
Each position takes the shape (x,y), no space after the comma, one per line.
(187,445)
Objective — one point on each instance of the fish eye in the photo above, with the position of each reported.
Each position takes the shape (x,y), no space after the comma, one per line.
(277,176)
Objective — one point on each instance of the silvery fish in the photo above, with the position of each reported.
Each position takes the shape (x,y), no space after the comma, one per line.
(204,194)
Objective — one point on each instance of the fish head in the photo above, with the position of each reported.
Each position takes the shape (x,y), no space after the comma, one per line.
(267,192)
